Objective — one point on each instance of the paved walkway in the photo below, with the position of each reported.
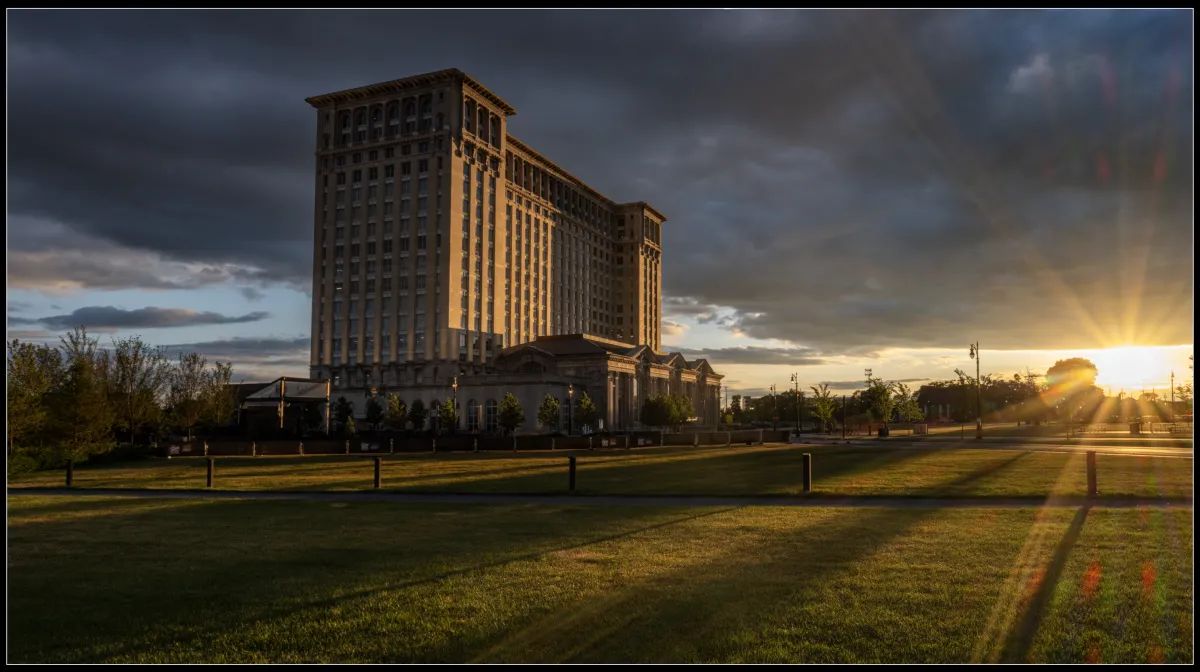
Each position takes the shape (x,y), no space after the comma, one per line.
(815,500)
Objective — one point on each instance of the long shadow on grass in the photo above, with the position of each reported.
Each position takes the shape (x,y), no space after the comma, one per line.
(707,613)
(239,577)
(1020,639)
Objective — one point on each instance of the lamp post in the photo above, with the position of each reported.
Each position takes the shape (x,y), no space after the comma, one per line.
(774,409)
(978,394)
(454,403)
(796,380)
(570,409)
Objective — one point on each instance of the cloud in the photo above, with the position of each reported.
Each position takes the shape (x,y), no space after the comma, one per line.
(251,293)
(254,359)
(865,180)
(757,355)
(110,318)
(862,385)
(673,329)
(29,334)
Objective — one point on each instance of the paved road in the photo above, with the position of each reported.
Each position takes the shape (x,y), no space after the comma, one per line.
(615,500)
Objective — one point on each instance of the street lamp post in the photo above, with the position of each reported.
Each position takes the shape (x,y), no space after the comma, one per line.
(978,394)
(796,380)
(774,409)
(570,409)
(454,386)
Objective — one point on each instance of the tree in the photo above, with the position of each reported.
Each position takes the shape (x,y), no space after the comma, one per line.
(219,395)
(348,429)
(1184,391)
(185,393)
(34,371)
(548,412)
(906,404)
(1070,381)
(657,411)
(140,374)
(681,409)
(418,415)
(446,416)
(397,414)
(880,399)
(586,412)
(81,403)
(824,405)
(511,415)
(374,413)
(343,411)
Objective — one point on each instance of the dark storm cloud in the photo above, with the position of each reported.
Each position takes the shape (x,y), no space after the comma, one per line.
(845,181)
(105,318)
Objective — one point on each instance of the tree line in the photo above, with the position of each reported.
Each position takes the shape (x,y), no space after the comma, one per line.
(393,414)
(1067,391)
(78,399)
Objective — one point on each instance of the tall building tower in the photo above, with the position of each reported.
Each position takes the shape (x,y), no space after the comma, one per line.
(440,239)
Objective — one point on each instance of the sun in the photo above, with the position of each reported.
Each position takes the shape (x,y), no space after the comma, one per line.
(1131,368)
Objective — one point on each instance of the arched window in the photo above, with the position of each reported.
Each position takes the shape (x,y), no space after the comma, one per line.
(426,105)
(532,367)
(472,416)
(377,116)
(362,117)
(494,130)
(564,413)
(468,113)
(434,407)
(440,121)
(483,121)
(394,112)
(490,417)
(346,120)
(410,109)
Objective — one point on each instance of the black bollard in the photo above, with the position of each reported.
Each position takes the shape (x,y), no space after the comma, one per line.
(572,485)
(211,467)
(807,476)
(70,472)
(378,468)
(1091,473)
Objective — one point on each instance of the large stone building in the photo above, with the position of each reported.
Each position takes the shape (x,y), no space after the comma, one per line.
(413,291)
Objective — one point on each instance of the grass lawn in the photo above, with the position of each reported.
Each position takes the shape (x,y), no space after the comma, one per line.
(838,470)
(134,580)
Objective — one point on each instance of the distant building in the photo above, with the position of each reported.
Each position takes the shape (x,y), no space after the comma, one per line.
(442,244)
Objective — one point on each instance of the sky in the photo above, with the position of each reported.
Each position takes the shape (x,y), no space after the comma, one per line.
(844,190)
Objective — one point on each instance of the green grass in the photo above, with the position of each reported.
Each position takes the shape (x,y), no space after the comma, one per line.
(128,580)
(838,470)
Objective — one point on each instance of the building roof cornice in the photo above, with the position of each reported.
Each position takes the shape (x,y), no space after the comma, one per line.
(407,83)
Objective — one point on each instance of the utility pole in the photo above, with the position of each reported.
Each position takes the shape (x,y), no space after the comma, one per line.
(774,409)
(978,392)
(1172,397)
(843,416)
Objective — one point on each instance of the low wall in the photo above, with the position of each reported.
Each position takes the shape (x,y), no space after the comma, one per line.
(229,448)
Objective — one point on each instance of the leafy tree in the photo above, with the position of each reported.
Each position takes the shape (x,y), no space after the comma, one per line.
(139,378)
(1183,392)
(374,413)
(343,410)
(446,416)
(185,392)
(880,398)
(81,404)
(548,412)
(656,411)
(511,415)
(1070,381)
(681,409)
(906,404)
(586,412)
(824,405)
(418,415)
(34,372)
(397,413)
(219,395)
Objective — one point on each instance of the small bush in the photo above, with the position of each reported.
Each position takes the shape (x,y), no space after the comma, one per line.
(20,462)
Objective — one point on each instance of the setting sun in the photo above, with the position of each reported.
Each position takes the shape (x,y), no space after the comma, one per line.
(1132,368)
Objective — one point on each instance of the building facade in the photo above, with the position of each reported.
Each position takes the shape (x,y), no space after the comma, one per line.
(441,241)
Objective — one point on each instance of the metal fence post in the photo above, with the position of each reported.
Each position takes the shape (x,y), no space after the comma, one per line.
(378,468)
(1091,473)
(208,481)
(70,472)
(572,480)
(807,473)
